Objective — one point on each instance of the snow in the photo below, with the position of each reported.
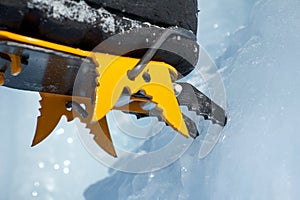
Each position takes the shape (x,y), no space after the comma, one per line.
(81,12)
(256,47)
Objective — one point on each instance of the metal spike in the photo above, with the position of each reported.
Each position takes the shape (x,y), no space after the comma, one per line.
(102,136)
(196,101)
(52,108)
(135,109)
(99,128)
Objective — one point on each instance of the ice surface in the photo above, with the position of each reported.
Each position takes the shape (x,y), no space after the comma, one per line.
(258,155)
(256,46)
(58,168)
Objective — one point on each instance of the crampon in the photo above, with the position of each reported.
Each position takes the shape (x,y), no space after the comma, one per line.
(145,76)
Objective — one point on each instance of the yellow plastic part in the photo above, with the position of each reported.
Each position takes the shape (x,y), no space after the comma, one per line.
(113,79)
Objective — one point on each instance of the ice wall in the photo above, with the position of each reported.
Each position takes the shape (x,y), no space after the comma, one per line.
(258,159)
(258,154)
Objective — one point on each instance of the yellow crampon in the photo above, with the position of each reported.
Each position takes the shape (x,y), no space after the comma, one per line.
(155,81)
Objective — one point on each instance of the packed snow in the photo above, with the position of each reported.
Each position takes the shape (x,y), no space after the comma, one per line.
(81,12)
(255,45)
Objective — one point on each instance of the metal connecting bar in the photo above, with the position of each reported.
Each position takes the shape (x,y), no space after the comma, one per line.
(138,68)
